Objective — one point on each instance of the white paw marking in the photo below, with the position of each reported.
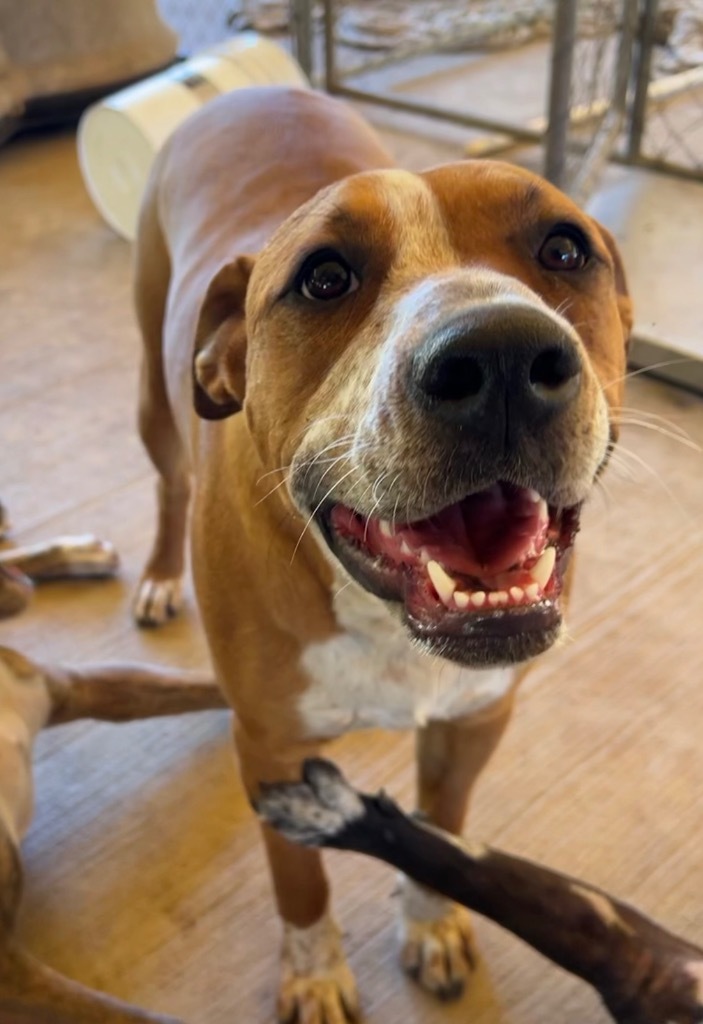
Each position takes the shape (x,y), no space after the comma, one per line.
(317,986)
(157,601)
(436,941)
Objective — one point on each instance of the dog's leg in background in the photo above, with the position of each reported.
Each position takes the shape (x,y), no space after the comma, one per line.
(32,697)
(437,945)
(316,982)
(159,594)
(123,693)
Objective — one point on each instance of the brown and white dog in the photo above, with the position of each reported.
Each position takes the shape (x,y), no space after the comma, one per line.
(416,378)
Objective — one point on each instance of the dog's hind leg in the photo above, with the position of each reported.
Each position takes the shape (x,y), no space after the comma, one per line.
(30,698)
(30,992)
(437,944)
(159,594)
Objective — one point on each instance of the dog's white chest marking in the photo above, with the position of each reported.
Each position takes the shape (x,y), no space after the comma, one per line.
(371,676)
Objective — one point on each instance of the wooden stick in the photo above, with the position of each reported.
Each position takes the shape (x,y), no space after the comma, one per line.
(644,974)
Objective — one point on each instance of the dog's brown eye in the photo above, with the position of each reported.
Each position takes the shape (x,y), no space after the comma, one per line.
(564,250)
(325,275)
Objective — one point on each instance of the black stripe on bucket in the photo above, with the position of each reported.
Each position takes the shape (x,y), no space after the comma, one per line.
(197,83)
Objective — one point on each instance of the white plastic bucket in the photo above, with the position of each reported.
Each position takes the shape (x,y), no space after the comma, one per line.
(119,137)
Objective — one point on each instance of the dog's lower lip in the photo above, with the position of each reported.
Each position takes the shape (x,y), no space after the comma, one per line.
(513,615)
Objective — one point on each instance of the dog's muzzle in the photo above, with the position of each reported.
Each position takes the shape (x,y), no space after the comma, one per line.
(494,393)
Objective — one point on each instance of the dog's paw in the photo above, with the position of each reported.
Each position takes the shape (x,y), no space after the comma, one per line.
(157,601)
(314,810)
(323,999)
(317,985)
(437,947)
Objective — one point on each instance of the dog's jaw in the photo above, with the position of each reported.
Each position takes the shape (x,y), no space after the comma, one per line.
(429,572)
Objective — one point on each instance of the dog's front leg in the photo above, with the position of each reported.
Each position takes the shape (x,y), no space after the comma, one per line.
(317,986)
(437,944)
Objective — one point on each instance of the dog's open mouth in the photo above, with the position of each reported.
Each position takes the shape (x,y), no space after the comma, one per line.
(480,580)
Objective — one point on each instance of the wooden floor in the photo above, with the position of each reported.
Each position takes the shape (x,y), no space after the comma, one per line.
(145,875)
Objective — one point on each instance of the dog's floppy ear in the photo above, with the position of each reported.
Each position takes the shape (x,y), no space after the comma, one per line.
(623,294)
(219,353)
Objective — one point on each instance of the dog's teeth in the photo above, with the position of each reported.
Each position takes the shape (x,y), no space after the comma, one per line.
(478,599)
(498,597)
(543,510)
(405,548)
(385,528)
(534,495)
(542,571)
(425,556)
(441,581)
(517,593)
(462,599)
(533,591)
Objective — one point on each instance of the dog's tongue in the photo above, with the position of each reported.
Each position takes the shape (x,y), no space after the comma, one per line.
(482,535)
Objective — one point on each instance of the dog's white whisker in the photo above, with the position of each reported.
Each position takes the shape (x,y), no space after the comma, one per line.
(656,476)
(273,490)
(664,364)
(270,472)
(317,508)
(335,462)
(666,421)
(661,424)
(658,429)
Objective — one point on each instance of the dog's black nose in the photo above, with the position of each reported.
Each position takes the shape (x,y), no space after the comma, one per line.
(507,360)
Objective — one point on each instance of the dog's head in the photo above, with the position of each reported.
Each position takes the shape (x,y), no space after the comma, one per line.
(438,359)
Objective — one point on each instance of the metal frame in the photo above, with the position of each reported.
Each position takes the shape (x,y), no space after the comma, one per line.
(605,140)
(646,93)
(301,30)
(552,131)
(334,84)
(627,107)
(559,106)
